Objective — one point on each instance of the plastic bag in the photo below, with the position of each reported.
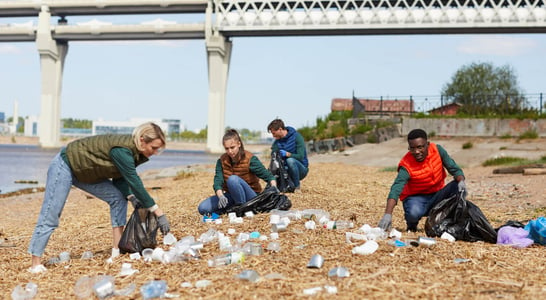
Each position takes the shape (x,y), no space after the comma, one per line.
(514,236)
(140,232)
(278,169)
(537,230)
(460,218)
(266,201)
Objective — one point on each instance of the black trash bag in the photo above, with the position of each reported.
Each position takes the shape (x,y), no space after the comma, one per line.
(278,169)
(265,201)
(140,232)
(460,218)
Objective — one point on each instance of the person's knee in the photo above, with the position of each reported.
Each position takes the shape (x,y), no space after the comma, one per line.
(204,209)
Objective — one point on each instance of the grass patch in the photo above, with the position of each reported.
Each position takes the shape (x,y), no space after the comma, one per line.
(505,160)
(390,169)
(468,145)
(529,134)
(513,161)
(183,174)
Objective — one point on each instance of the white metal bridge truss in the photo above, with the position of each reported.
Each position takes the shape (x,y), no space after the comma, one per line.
(251,18)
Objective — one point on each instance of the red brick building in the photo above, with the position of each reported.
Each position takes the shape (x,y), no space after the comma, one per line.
(372,106)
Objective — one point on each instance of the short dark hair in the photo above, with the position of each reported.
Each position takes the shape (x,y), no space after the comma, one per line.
(275,125)
(417,133)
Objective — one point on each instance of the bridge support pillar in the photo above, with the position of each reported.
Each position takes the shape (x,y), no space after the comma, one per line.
(218,58)
(52,56)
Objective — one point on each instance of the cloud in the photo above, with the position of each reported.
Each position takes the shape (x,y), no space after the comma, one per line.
(497,45)
(9,49)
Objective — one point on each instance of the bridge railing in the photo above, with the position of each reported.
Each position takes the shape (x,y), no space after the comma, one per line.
(236,17)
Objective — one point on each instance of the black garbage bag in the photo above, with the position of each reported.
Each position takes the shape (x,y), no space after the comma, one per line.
(140,232)
(460,218)
(278,169)
(265,201)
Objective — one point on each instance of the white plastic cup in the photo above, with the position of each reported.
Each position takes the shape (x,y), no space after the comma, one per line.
(367,248)
(147,254)
(274,219)
(157,254)
(169,239)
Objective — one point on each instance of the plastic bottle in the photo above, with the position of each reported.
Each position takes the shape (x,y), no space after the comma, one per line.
(153,289)
(226,259)
(340,224)
(26,292)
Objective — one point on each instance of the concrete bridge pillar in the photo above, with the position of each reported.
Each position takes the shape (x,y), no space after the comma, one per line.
(218,58)
(52,56)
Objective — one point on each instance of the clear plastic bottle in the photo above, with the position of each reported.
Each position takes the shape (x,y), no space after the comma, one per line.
(227,259)
(153,289)
(340,224)
(24,293)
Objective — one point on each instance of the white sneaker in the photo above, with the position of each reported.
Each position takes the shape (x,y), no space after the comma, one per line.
(37,269)
(115,253)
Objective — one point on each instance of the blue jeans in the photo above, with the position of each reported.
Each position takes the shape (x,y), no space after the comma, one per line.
(59,181)
(239,192)
(296,170)
(418,206)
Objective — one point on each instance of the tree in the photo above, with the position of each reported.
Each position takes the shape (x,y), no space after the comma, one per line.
(484,89)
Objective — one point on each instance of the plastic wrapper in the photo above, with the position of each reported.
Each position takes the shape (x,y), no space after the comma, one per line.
(537,230)
(513,236)
(460,218)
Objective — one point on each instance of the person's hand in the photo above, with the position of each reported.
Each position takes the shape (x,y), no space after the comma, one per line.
(462,186)
(283,153)
(134,201)
(386,222)
(222,201)
(275,189)
(164,225)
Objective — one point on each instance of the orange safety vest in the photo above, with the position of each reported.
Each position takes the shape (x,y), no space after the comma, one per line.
(426,177)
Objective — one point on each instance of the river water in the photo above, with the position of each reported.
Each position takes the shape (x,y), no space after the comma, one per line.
(29,163)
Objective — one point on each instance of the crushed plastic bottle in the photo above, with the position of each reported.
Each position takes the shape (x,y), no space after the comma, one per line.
(104,286)
(340,224)
(24,293)
(227,259)
(153,289)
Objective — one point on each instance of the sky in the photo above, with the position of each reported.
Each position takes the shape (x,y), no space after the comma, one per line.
(292,78)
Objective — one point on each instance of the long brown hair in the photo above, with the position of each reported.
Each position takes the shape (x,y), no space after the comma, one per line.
(233,134)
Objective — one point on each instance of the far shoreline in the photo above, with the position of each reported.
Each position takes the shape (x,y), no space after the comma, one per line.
(35,141)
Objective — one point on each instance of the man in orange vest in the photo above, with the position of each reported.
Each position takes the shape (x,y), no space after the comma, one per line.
(420,182)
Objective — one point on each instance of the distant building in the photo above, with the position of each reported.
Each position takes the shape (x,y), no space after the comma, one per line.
(31,126)
(2,117)
(374,107)
(446,110)
(126,127)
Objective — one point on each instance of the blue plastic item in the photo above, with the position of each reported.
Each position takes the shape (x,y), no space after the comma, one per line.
(537,230)
(153,289)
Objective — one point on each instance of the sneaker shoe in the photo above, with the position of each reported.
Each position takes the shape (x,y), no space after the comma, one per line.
(37,269)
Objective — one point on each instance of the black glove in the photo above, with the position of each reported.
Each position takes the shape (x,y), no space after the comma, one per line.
(134,201)
(386,222)
(164,225)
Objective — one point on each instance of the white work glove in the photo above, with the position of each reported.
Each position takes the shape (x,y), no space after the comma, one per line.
(222,201)
(386,222)
(462,186)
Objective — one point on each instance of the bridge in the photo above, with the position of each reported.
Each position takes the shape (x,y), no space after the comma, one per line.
(220,21)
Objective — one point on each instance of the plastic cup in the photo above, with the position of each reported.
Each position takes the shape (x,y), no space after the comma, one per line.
(316,261)
(157,254)
(147,254)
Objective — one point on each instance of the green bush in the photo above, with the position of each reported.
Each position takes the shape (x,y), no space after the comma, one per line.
(529,134)
(468,145)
